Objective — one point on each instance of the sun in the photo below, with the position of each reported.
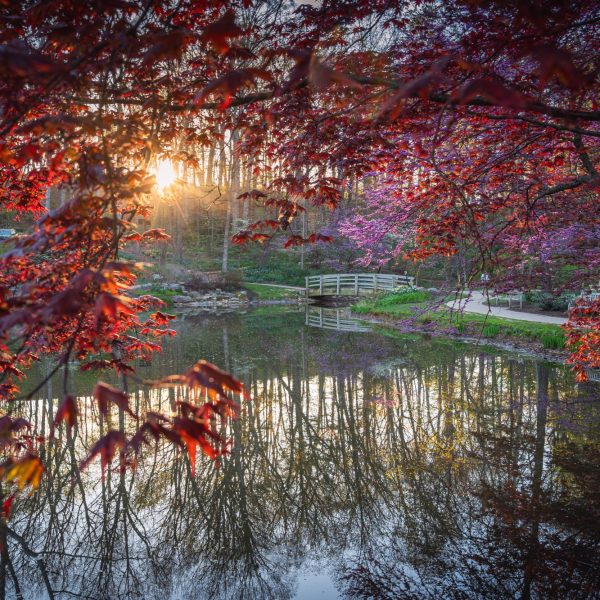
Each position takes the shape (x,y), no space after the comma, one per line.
(165,174)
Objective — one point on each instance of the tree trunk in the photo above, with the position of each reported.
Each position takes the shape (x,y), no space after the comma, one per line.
(226,235)
(208,176)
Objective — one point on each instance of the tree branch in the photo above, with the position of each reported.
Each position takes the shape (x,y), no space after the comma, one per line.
(435,97)
(585,157)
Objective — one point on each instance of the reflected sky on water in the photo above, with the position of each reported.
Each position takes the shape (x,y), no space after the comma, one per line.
(365,466)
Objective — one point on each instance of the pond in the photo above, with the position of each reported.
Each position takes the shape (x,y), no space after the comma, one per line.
(365,466)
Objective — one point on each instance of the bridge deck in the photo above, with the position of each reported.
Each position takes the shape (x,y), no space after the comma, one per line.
(355,283)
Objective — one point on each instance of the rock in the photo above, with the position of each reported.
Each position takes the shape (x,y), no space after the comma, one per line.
(215,299)
(433,290)
(157,277)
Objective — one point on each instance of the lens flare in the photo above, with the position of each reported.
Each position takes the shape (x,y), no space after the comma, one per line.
(165,174)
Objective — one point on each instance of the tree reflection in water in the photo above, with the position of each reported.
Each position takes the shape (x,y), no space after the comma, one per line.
(403,468)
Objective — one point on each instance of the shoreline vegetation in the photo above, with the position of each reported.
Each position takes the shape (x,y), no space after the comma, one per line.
(425,313)
(418,311)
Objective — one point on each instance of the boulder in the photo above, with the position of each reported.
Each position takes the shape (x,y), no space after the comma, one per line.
(181,299)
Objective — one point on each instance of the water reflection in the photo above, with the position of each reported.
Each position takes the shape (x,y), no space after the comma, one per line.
(365,466)
(337,319)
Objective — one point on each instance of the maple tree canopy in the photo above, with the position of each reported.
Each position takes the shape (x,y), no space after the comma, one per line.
(478,119)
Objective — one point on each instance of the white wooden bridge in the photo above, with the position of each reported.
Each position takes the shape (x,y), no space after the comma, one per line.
(333,318)
(355,284)
(593,375)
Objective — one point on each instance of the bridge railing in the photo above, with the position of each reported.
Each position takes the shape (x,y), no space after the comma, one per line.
(354,283)
(593,375)
(333,318)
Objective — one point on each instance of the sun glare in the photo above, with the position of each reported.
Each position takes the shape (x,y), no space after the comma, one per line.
(165,174)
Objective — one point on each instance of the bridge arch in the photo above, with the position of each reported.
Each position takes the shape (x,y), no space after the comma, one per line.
(355,284)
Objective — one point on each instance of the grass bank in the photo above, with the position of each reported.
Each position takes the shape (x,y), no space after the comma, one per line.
(270,292)
(418,305)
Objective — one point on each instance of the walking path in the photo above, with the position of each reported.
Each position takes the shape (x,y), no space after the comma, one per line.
(475,304)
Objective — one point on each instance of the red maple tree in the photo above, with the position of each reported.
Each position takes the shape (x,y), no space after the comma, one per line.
(486,110)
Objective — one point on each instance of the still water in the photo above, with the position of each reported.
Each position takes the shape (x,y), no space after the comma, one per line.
(365,466)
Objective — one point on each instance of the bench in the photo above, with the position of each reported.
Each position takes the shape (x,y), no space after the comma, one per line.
(509,298)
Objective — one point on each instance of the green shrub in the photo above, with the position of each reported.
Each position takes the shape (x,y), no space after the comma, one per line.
(409,296)
(554,340)
(547,301)
(362,308)
(491,331)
